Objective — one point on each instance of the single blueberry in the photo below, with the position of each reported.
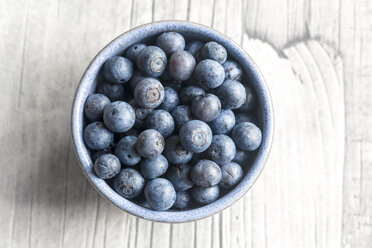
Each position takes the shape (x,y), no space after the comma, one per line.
(175,152)
(222,150)
(125,150)
(215,51)
(113,91)
(119,117)
(181,114)
(118,69)
(154,167)
(150,143)
(209,74)
(241,157)
(194,47)
(141,115)
(149,93)
(206,107)
(232,173)
(129,183)
(170,100)
(205,195)
(183,200)
(94,106)
(188,93)
(160,194)
(250,100)
(107,166)
(134,50)
(97,136)
(170,42)
(181,65)
(179,176)
(161,121)
(96,154)
(231,93)
(206,173)
(136,78)
(152,61)
(243,117)
(247,136)
(223,123)
(177,85)
(195,136)
(232,70)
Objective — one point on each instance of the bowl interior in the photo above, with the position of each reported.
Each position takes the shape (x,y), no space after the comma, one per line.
(252,77)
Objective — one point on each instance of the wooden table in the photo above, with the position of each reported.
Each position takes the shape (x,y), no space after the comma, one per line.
(316,190)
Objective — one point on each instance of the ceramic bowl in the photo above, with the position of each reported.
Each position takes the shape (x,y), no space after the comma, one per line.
(146,33)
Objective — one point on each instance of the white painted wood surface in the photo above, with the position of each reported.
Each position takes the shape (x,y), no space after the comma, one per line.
(316,190)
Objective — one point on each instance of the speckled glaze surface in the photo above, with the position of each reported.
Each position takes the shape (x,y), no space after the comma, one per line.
(189,30)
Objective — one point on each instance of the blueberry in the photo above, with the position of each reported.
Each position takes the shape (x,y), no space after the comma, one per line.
(181,65)
(96,154)
(195,136)
(232,70)
(241,156)
(205,195)
(247,136)
(170,100)
(161,121)
(179,175)
(222,150)
(232,173)
(194,47)
(206,107)
(129,183)
(154,167)
(150,143)
(136,78)
(170,42)
(177,85)
(134,50)
(160,194)
(183,200)
(175,152)
(118,69)
(141,115)
(97,137)
(94,106)
(113,91)
(125,150)
(119,117)
(215,51)
(107,166)
(231,93)
(152,61)
(243,117)
(149,93)
(249,100)
(209,74)
(181,114)
(223,123)
(188,93)
(206,173)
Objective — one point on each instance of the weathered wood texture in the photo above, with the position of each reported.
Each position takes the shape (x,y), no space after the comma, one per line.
(316,189)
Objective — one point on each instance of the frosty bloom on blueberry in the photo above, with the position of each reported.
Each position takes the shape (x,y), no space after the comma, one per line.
(172,123)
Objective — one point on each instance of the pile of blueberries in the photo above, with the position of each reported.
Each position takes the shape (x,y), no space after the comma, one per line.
(171,123)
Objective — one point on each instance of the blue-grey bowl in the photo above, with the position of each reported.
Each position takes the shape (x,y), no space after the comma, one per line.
(147,33)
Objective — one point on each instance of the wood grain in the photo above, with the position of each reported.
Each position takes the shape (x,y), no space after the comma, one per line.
(316,188)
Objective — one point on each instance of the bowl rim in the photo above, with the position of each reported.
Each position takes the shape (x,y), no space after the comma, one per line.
(82,153)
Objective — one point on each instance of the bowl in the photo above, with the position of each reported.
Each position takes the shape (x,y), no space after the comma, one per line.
(146,33)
